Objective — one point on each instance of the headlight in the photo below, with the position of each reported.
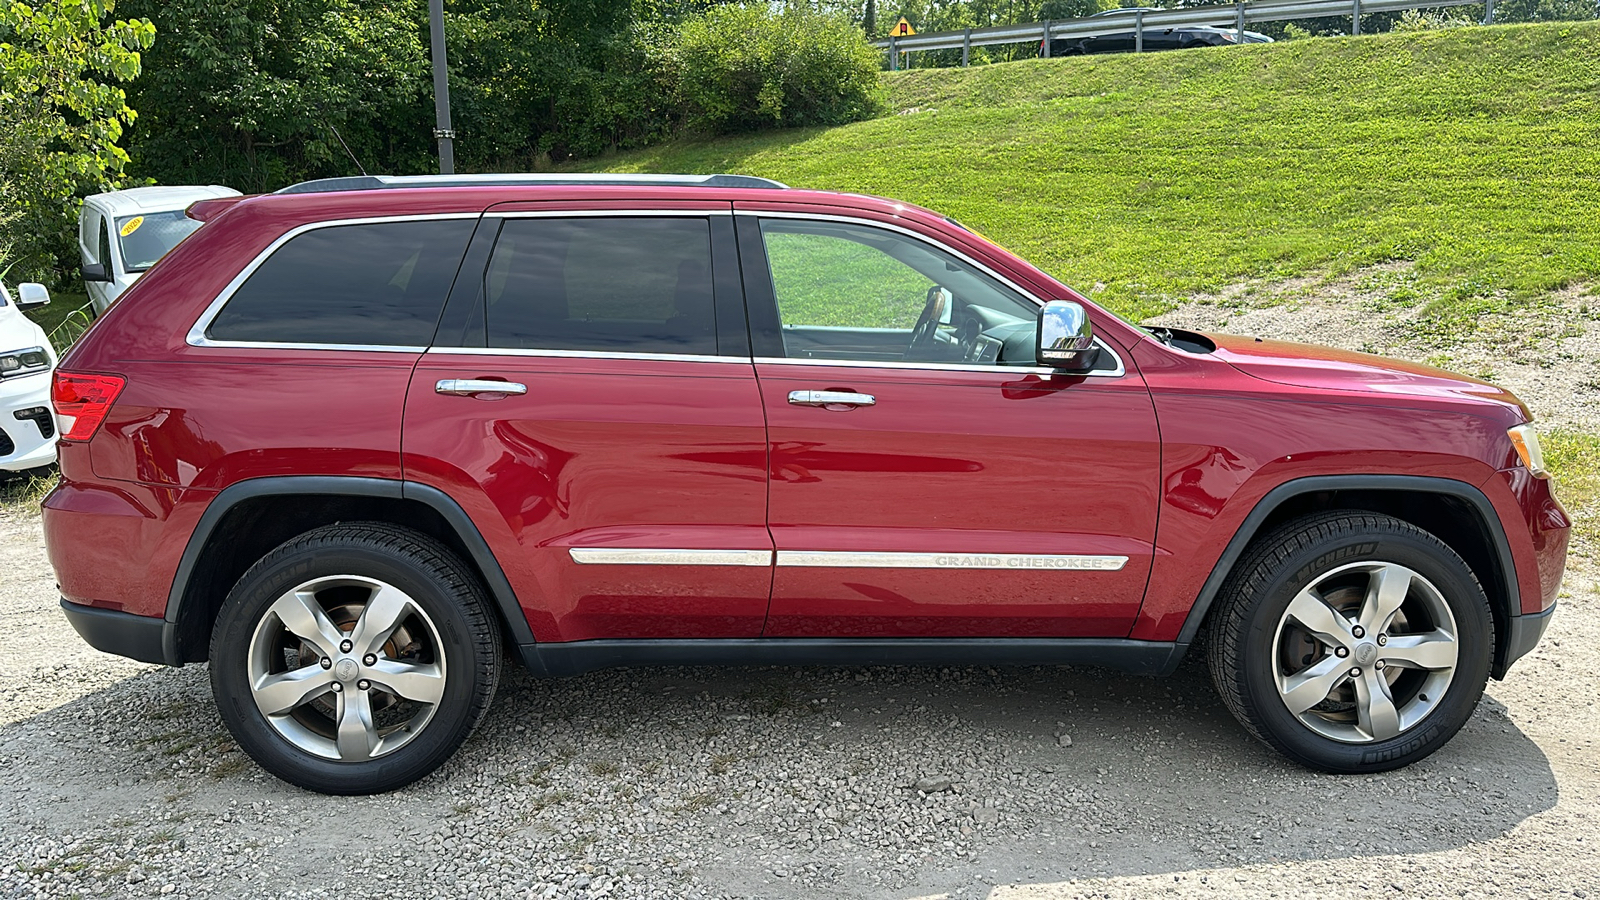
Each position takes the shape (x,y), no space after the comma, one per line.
(18,360)
(1526,441)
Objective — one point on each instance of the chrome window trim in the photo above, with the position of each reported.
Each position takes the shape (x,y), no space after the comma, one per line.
(645,556)
(585,354)
(592,213)
(197,333)
(1118,372)
(1031,561)
(949,367)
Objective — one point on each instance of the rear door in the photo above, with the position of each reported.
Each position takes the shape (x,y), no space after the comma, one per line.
(620,472)
(926,479)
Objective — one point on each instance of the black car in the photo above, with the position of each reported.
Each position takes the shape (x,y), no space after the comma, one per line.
(1122,39)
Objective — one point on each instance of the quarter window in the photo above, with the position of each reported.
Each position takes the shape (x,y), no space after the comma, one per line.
(854,292)
(639,285)
(379,284)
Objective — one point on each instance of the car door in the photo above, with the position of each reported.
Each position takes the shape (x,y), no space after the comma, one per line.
(926,479)
(591,403)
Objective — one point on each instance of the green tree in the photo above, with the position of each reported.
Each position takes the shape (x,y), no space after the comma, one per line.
(258,93)
(60,65)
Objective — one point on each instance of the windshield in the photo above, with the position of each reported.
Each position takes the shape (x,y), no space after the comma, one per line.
(146,238)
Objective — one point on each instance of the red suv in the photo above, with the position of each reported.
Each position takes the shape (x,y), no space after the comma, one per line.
(353,442)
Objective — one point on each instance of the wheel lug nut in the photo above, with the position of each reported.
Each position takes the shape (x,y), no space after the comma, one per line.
(1358,631)
(1383,640)
(346,647)
(1355,673)
(1379,664)
(327,663)
(1342,652)
(364,684)
(337,687)
(371,659)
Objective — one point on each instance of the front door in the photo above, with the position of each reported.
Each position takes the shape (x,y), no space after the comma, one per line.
(600,422)
(926,479)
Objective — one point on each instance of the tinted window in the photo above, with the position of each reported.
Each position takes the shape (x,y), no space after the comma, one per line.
(381,284)
(630,285)
(856,292)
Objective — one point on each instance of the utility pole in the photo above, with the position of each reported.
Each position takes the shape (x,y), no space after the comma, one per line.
(442,131)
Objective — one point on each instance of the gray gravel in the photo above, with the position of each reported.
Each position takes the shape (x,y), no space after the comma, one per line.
(118,779)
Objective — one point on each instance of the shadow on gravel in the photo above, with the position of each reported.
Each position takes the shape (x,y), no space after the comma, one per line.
(769,782)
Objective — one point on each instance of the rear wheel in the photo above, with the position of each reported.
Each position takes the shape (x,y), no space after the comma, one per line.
(1352,642)
(354,659)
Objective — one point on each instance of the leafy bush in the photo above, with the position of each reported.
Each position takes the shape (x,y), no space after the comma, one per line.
(741,68)
(63,115)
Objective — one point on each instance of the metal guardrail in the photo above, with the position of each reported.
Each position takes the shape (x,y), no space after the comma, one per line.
(1236,16)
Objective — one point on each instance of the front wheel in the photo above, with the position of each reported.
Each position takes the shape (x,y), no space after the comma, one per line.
(1352,642)
(354,659)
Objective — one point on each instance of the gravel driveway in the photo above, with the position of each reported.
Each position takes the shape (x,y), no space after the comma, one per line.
(118,779)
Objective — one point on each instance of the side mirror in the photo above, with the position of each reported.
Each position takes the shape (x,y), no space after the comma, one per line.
(1065,337)
(95,272)
(30,295)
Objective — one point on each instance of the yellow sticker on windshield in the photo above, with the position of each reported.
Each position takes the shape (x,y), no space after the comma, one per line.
(132,225)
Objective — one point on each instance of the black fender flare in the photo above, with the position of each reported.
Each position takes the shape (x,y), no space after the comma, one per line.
(1505,566)
(495,581)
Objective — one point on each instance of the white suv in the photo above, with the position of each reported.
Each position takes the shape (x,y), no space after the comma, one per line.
(27,428)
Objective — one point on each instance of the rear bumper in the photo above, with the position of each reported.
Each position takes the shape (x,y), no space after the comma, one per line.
(1526,630)
(124,634)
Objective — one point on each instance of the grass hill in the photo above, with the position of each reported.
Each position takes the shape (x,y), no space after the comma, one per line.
(1472,152)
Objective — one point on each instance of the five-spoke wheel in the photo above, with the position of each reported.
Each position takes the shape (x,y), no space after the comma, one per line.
(1352,642)
(346,667)
(1365,652)
(354,658)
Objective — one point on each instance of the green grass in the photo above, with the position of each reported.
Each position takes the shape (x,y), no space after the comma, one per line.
(67,316)
(1574,459)
(1144,179)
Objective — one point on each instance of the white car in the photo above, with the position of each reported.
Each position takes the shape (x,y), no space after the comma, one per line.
(27,427)
(123,233)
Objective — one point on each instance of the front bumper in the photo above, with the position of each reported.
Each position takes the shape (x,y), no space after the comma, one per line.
(123,634)
(1526,630)
(23,445)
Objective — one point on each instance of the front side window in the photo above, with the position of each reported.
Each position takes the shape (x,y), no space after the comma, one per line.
(146,238)
(854,292)
(634,285)
(377,284)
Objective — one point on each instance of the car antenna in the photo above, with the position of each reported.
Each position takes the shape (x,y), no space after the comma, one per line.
(345,146)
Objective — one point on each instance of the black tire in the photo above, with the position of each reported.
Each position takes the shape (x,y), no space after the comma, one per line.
(1251,617)
(448,628)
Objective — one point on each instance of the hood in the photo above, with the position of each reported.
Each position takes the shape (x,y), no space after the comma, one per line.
(17,331)
(1325,368)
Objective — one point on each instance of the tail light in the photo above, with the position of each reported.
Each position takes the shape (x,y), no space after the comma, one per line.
(85,399)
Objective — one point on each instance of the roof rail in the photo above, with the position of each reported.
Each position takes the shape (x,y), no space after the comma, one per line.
(380,182)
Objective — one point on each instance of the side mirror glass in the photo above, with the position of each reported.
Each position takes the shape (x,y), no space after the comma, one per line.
(95,272)
(1065,337)
(30,295)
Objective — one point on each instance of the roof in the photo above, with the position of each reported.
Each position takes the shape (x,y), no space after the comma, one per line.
(381,182)
(156,198)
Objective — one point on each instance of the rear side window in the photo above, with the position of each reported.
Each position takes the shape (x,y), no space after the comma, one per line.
(382,284)
(640,285)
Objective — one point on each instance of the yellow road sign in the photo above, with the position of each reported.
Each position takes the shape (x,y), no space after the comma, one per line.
(903,28)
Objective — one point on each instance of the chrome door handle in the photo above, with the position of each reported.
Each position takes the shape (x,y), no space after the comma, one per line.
(466,387)
(831,398)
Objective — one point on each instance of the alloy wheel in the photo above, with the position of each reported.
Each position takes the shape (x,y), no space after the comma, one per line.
(1365,652)
(346,668)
